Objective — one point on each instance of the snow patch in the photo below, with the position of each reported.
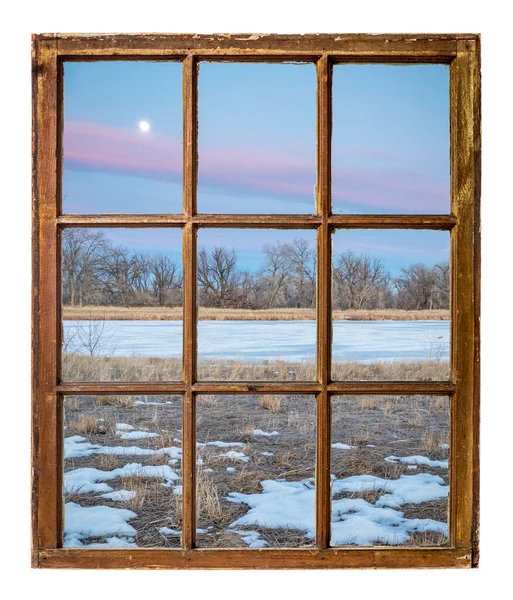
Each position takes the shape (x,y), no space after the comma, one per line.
(252,538)
(260,433)
(232,455)
(418,460)
(93,521)
(290,504)
(119,495)
(135,435)
(339,446)
(87,480)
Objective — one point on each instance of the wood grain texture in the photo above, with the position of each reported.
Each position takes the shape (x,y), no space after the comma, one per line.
(48,424)
(324,317)
(464,101)
(442,222)
(190,177)
(200,558)
(404,47)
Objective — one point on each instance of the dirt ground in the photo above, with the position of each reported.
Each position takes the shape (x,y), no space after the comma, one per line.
(377,426)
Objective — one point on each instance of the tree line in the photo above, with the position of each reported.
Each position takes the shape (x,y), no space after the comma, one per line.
(97,272)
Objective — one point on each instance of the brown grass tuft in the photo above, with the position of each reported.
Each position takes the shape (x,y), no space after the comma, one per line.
(207,497)
(108,462)
(270,403)
(87,425)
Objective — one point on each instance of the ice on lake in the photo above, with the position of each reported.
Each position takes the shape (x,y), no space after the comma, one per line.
(293,341)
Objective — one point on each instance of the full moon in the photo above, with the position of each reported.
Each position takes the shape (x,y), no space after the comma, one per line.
(144,126)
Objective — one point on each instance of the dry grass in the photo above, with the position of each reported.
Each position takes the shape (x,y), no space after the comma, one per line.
(87,425)
(270,403)
(369,402)
(78,367)
(108,462)
(208,497)
(153,313)
(207,400)
(432,440)
(426,370)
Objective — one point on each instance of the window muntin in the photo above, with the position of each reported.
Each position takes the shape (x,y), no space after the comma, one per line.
(464,213)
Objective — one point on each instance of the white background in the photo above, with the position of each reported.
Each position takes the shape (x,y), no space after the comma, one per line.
(19,20)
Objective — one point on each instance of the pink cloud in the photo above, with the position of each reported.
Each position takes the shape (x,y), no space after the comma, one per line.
(249,170)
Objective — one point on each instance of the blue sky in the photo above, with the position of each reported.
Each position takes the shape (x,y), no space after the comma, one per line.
(257,146)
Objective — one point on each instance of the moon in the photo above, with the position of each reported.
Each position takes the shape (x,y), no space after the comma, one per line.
(144,126)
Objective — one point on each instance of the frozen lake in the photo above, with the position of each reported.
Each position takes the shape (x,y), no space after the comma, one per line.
(362,341)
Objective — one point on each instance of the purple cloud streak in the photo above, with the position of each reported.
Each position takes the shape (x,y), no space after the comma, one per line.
(243,170)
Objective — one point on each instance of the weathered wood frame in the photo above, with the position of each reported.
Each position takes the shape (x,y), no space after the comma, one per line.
(462,54)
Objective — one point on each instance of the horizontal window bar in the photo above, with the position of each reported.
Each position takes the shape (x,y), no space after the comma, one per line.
(445,222)
(261,558)
(260,387)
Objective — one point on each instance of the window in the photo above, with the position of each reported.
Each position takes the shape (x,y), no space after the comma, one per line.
(256,301)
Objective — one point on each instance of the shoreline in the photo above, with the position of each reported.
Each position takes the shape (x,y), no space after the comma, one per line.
(121,313)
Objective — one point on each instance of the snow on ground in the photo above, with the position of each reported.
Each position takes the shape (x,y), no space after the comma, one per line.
(267,453)
(124,427)
(339,446)
(236,456)
(135,435)
(283,504)
(408,489)
(168,531)
(252,538)
(150,403)
(89,480)
(418,460)
(260,433)
(362,341)
(220,444)
(77,446)
(95,521)
(119,495)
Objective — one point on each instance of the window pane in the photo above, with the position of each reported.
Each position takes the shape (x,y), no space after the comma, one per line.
(257,304)
(391,301)
(391,139)
(122,471)
(122,137)
(122,304)
(256,138)
(256,470)
(390,470)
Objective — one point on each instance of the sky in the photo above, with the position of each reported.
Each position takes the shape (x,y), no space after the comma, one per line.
(256,143)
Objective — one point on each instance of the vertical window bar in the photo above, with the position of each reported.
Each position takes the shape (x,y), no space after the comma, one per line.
(464,160)
(323,468)
(190,162)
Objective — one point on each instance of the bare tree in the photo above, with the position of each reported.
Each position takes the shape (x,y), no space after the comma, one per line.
(218,277)
(83,252)
(302,259)
(87,337)
(416,287)
(165,277)
(276,270)
(359,279)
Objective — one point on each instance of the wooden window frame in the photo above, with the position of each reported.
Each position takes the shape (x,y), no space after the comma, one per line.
(462,54)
